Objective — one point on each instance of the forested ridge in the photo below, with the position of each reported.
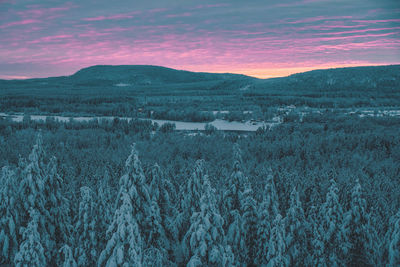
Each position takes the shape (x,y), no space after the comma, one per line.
(310,194)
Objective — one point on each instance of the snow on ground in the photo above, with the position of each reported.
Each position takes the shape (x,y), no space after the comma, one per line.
(222,125)
(122,84)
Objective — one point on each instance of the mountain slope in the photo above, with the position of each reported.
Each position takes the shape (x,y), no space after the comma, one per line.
(145,75)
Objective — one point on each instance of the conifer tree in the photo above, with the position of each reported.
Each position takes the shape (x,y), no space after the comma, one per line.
(267,211)
(57,206)
(157,240)
(133,182)
(271,197)
(161,190)
(331,229)
(124,246)
(249,215)
(315,244)
(192,194)
(205,238)
(393,241)
(31,196)
(86,230)
(31,252)
(236,185)
(277,255)
(69,260)
(104,207)
(362,236)
(236,238)
(9,216)
(296,227)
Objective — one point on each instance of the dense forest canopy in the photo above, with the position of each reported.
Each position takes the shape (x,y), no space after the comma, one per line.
(324,191)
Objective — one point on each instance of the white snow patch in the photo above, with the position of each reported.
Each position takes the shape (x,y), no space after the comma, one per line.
(122,84)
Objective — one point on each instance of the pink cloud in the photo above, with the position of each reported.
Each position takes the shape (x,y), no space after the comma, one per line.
(18,23)
(52,38)
(359,31)
(319,18)
(112,17)
(377,20)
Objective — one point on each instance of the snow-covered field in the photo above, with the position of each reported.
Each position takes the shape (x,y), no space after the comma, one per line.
(222,125)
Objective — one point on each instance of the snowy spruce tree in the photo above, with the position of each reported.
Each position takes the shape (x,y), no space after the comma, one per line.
(236,238)
(204,240)
(133,182)
(191,195)
(157,243)
(161,190)
(296,231)
(315,244)
(58,223)
(9,216)
(362,236)
(124,246)
(249,220)
(267,212)
(235,186)
(86,230)
(277,254)
(69,260)
(104,207)
(31,252)
(331,230)
(393,241)
(31,195)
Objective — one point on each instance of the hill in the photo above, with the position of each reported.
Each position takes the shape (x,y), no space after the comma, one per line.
(144,75)
(168,93)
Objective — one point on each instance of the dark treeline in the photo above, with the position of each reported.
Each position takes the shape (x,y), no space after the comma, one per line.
(321,192)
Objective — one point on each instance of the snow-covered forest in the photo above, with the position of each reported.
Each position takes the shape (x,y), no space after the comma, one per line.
(83,194)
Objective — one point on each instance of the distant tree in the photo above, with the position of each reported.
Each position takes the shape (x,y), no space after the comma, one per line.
(362,236)
(167,127)
(31,252)
(277,255)
(9,216)
(124,246)
(296,231)
(210,129)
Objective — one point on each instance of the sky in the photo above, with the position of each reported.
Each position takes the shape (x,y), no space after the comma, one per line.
(261,38)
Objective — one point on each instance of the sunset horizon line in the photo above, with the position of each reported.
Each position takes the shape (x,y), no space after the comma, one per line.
(262,73)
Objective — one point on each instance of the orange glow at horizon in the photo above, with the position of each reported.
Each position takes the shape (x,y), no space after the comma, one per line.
(270,72)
